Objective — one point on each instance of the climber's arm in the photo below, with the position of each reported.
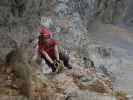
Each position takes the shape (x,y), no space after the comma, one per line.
(47,56)
(56,52)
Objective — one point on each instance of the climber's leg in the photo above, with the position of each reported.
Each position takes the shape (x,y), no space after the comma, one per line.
(65,59)
(50,65)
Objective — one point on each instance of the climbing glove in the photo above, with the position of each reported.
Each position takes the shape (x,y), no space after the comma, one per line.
(59,65)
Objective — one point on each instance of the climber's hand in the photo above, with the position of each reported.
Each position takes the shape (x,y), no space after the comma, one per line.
(59,65)
(57,61)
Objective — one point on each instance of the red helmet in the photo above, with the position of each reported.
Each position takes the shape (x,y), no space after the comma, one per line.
(45,32)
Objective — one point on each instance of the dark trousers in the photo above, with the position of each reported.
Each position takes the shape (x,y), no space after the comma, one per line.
(62,57)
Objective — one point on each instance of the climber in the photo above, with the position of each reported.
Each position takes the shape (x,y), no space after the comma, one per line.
(48,49)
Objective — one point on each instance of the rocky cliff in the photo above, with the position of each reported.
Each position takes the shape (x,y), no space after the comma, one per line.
(22,79)
(20,20)
(84,26)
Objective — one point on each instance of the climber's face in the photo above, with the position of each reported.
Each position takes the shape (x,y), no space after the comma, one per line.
(47,37)
(43,39)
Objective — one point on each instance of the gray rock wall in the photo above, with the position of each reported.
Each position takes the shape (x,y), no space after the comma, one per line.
(20,21)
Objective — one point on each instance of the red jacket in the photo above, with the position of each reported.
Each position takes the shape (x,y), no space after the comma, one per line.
(48,47)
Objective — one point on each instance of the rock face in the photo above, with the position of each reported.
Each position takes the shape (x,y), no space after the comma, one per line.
(17,63)
(68,85)
(72,21)
(19,21)
(71,18)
